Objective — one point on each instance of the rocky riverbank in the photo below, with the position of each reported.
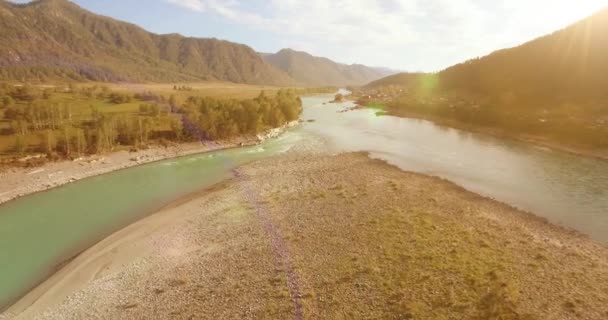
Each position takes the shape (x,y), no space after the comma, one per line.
(17,182)
(320,237)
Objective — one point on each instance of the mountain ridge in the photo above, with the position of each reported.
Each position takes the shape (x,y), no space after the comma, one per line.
(47,40)
(570,62)
(551,89)
(50,39)
(298,64)
(569,58)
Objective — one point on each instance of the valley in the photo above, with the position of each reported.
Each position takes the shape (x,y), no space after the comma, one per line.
(152,174)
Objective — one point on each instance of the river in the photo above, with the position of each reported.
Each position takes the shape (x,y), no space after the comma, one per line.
(566,189)
(39,231)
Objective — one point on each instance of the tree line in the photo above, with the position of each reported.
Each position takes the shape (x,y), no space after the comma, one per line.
(568,124)
(221,118)
(70,121)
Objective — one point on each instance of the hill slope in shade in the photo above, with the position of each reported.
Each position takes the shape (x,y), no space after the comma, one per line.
(311,70)
(56,39)
(568,66)
(403,79)
(552,90)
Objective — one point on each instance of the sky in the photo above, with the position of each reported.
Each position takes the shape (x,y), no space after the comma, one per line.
(406,35)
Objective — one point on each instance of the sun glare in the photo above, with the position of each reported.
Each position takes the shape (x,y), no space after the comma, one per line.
(571,11)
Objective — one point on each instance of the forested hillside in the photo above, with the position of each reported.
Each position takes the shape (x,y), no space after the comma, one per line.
(568,66)
(55,39)
(311,70)
(554,88)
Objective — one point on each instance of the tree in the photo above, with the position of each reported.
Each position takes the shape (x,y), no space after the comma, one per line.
(127,134)
(6,101)
(19,126)
(177,128)
(20,145)
(67,113)
(144,126)
(172,103)
(79,141)
(50,142)
(66,140)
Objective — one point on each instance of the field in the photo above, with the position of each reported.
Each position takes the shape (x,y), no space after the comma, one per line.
(226,90)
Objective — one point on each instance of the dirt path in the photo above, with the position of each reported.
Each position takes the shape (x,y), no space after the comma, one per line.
(279,248)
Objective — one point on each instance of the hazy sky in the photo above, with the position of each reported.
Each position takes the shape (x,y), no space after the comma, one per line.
(412,35)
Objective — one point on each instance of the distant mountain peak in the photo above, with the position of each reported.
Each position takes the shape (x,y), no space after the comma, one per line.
(312,70)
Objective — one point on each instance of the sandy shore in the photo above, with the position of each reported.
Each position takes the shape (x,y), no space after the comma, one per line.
(321,237)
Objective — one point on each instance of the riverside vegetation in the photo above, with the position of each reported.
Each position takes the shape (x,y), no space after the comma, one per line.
(70,121)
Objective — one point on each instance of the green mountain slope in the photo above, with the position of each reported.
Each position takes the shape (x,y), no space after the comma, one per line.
(311,70)
(56,39)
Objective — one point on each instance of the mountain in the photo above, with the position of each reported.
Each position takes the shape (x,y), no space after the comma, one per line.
(403,79)
(56,39)
(553,89)
(570,65)
(311,70)
(567,66)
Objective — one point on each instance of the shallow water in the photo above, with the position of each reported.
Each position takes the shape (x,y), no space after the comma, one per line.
(564,188)
(39,231)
